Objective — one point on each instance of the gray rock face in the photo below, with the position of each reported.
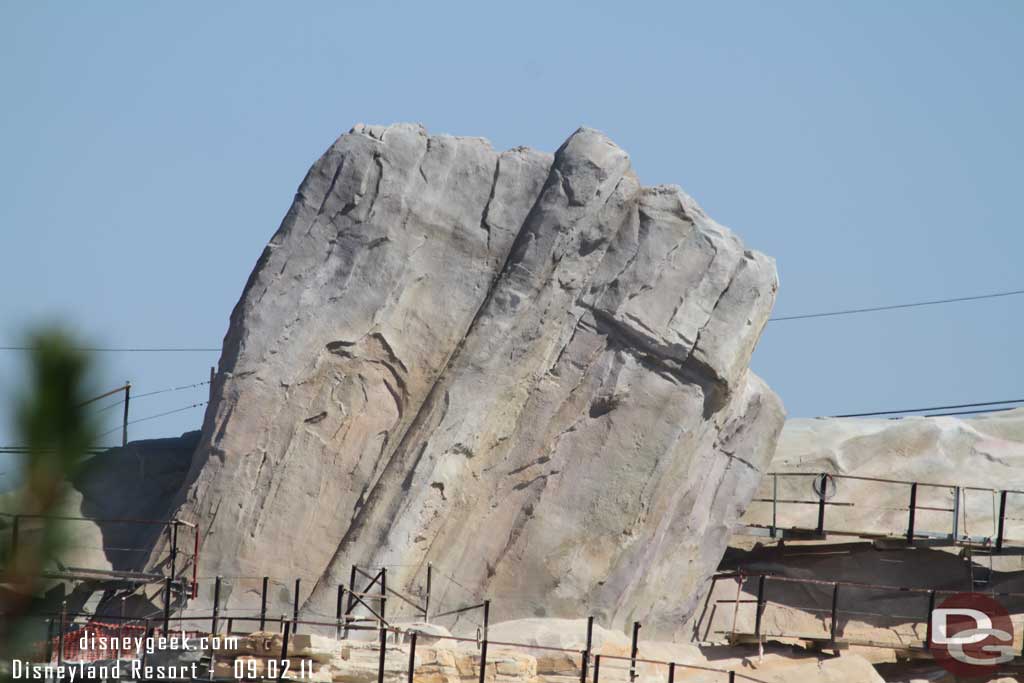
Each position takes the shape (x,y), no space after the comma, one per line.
(527,370)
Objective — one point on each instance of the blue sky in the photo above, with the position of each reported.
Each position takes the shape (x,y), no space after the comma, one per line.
(149,150)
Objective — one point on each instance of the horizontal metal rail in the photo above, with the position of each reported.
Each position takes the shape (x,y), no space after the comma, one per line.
(779,528)
(882,480)
(460,610)
(855,584)
(101,520)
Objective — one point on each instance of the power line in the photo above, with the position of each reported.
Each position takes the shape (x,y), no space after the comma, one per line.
(152,393)
(780,318)
(112,405)
(973,412)
(915,304)
(153,417)
(25,450)
(97,349)
(118,390)
(926,410)
(170,389)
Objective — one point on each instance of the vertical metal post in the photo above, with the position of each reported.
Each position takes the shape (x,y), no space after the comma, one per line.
(426,602)
(195,562)
(483,643)
(760,606)
(295,607)
(167,606)
(586,652)
(732,677)
(483,660)
(597,668)
(931,609)
(351,590)
(412,656)
(775,503)
(60,636)
(487,617)
(634,648)
(913,513)
(124,427)
(49,640)
(835,611)
(671,672)
(1002,521)
(263,602)
(146,633)
(383,654)
(172,531)
(120,628)
(216,605)
(231,625)
(338,610)
(956,513)
(284,650)
(383,592)
(821,503)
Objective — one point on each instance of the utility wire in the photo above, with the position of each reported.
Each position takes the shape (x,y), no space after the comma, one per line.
(170,389)
(153,417)
(915,304)
(780,318)
(135,397)
(112,405)
(94,349)
(973,412)
(926,410)
(802,316)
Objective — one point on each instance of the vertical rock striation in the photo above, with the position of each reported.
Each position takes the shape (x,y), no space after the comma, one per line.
(527,370)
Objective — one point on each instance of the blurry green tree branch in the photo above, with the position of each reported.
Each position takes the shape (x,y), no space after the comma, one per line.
(52,422)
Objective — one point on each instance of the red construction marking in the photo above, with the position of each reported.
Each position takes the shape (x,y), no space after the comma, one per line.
(195,564)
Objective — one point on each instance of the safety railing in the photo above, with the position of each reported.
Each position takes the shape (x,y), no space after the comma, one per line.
(834,613)
(367,599)
(107,555)
(809,505)
(394,651)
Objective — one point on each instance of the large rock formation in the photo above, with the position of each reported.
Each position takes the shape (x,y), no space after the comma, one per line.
(525,369)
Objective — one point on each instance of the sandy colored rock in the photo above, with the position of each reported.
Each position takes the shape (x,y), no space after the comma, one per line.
(842,670)
(433,635)
(260,644)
